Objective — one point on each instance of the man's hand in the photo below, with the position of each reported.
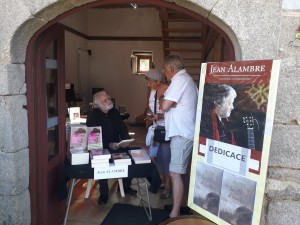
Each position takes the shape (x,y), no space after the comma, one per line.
(124,145)
(114,146)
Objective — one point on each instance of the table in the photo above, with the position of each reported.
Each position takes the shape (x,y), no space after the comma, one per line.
(74,172)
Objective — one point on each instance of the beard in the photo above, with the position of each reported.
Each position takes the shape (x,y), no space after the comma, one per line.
(105,107)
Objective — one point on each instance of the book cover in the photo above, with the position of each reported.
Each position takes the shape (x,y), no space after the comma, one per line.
(94,139)
(121,157)
(74,114)
(208,187)
(140,156)
(100,154)
(237,199)
(78,136)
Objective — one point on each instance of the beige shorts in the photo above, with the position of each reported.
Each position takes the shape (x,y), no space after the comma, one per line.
(181,151)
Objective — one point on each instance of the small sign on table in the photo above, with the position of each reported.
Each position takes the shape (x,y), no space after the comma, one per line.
(113,171)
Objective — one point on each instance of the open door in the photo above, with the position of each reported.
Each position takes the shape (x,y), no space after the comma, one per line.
(46,115)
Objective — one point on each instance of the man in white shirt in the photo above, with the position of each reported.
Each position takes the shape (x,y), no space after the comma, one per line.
(179,104)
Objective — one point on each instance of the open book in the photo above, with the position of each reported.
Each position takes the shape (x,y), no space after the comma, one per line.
(127,141)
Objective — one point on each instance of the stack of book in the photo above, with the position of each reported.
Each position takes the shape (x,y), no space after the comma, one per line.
(81,140)
(121,158)
(140,156)
(100,158)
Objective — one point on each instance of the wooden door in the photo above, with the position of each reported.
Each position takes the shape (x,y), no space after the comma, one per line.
(46,93)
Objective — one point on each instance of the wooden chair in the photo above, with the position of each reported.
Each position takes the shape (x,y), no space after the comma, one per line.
(187,220)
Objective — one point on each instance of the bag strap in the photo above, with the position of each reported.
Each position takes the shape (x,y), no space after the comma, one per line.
(155,100)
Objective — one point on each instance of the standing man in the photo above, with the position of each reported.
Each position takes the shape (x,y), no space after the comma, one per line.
(179,104)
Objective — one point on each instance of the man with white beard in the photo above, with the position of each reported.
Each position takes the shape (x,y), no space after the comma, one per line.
(113,131)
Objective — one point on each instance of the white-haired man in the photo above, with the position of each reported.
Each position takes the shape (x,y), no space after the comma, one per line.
(113,131)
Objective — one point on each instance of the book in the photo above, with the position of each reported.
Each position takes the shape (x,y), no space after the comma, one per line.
(121,158)
(94,138)
(140,156)
(77,136)
(74,115)
(100,164)
(78,156)
(99,160)
(100,154)
(237,198)
(126,141)
(207,188)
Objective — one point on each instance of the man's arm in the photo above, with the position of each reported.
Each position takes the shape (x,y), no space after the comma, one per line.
(167,104)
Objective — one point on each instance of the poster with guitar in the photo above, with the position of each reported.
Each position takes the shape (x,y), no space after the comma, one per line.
(234,123)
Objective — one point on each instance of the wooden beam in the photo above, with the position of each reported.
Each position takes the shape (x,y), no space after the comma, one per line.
(184,49)
(183,30)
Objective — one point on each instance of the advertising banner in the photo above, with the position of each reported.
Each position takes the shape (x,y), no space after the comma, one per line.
(234,124)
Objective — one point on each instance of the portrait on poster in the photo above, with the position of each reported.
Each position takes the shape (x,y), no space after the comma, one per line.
(235,114)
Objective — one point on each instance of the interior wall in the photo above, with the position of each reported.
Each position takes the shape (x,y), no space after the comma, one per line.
(142,22)
(77,69)
(110,69)
(77,21)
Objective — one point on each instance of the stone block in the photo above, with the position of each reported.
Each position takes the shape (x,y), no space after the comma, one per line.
(21,38)
(284,174)
(81,2)
(13,123)
(14,13)
(284,212)
(48,9)
(14,173)
(257,35)
(283,190)
(288,95)
(199,6)
(285,146)
(15,210)
(289,46)
(12,78)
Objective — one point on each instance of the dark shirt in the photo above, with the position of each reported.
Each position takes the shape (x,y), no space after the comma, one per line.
(207,129)
(225,134)
(112,125)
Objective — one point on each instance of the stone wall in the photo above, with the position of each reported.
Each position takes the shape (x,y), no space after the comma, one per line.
(258,29)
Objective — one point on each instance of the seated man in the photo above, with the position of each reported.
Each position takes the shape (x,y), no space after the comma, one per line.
(113,131)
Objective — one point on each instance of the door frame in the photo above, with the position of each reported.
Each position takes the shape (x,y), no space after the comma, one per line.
(33,98)
(37,125)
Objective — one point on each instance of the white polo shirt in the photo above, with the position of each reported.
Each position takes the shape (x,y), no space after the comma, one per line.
(181,119)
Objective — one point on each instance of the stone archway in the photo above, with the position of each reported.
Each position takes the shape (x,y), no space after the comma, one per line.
(23,43)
